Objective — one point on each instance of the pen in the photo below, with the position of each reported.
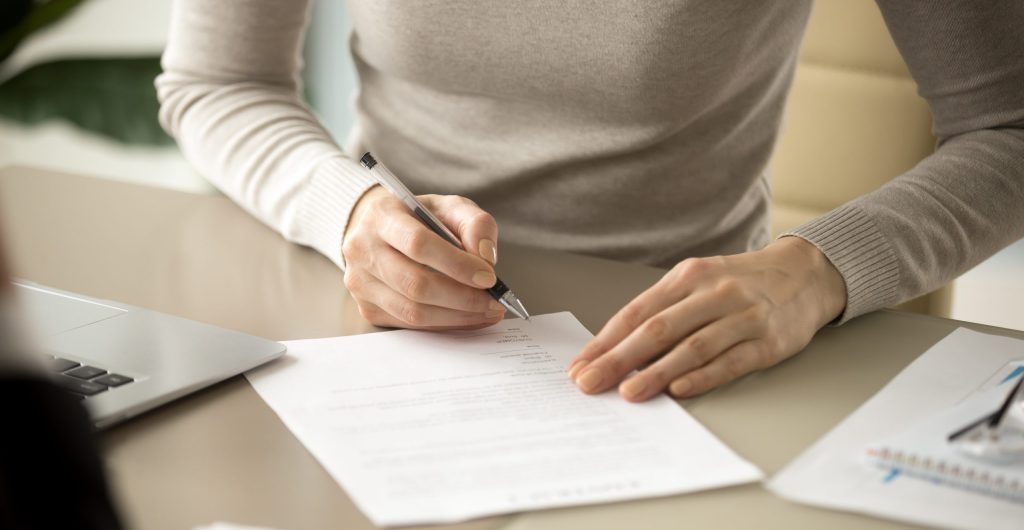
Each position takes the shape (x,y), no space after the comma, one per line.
(995,418)
(386,178)
(1010,399)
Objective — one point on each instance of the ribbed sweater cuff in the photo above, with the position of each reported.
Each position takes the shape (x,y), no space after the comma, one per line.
(336,186)
(851,241)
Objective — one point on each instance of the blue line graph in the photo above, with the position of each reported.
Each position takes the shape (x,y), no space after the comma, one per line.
(1013,375)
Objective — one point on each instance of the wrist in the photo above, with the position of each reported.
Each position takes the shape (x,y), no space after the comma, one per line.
(363,205)
(827,285)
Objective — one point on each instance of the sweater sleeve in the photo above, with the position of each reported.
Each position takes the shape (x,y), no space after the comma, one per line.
(964,202)
(230,95)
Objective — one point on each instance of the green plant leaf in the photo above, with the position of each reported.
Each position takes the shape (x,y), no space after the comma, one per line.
(20,20)
(113,97)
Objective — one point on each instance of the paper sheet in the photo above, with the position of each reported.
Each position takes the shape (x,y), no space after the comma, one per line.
(833,472)
(424,427)
(928,454)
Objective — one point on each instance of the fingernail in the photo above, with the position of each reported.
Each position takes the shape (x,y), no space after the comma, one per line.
(575,368)
(488,250)
(484,278)
(495,305)
(680,388)
(590,380)
(492,314)
(633,387)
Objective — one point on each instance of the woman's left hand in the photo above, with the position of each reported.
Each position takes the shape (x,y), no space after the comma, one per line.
(711,320)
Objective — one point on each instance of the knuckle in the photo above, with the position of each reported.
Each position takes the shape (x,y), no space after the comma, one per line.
(729,288)
(352,282)
(690,268)
(735,365)
(699,346)
(768,349)
(632,316)
(352,246)
(593,348)
(482,218)
(657,328)
(415,286)
(764,353)
(432,199)
(758,314)
(684,266)
(371,313)
(415,243)
(411,314)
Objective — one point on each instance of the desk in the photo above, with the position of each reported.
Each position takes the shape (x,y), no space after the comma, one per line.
(221,454)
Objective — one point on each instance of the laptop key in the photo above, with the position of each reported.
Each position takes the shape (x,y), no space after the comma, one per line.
(60,365)
(85,372)
(78,386)
(113,380)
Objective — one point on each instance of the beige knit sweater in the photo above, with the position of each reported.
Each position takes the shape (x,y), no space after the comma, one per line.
(630,130)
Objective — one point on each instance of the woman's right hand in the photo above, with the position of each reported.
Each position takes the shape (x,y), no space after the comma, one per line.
(405,276)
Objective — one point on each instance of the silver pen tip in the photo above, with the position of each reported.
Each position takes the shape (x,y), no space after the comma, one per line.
(515,306)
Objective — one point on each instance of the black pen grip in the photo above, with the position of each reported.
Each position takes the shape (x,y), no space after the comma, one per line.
(498,290)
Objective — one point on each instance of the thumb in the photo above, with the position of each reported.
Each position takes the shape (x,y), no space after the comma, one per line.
(476,229)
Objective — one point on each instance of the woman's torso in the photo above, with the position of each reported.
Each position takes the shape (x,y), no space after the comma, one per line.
(629,130)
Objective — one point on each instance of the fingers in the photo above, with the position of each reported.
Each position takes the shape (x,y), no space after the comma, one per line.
(383,306)
(475,228)
(672,287)
(695,351)
(719,318)
(381,318)
(413,239)
(403,274)
(653,337)
(738,361)
(420,284)
(628,319)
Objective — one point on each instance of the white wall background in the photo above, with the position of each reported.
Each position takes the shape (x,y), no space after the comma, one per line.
(992,293)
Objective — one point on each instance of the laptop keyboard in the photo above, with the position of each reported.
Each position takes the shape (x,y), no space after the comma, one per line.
(84,380)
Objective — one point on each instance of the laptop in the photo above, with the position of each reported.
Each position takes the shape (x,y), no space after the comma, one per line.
(122,361)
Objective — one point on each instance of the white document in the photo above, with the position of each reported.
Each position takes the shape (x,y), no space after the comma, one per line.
(425,427)
(834,473)
(923,451)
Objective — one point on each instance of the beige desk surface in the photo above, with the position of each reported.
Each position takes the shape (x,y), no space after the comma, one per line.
(222,454)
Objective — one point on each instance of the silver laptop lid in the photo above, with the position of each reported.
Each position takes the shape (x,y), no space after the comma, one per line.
(165,357)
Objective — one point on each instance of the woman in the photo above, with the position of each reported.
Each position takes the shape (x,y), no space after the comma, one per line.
(630,130)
